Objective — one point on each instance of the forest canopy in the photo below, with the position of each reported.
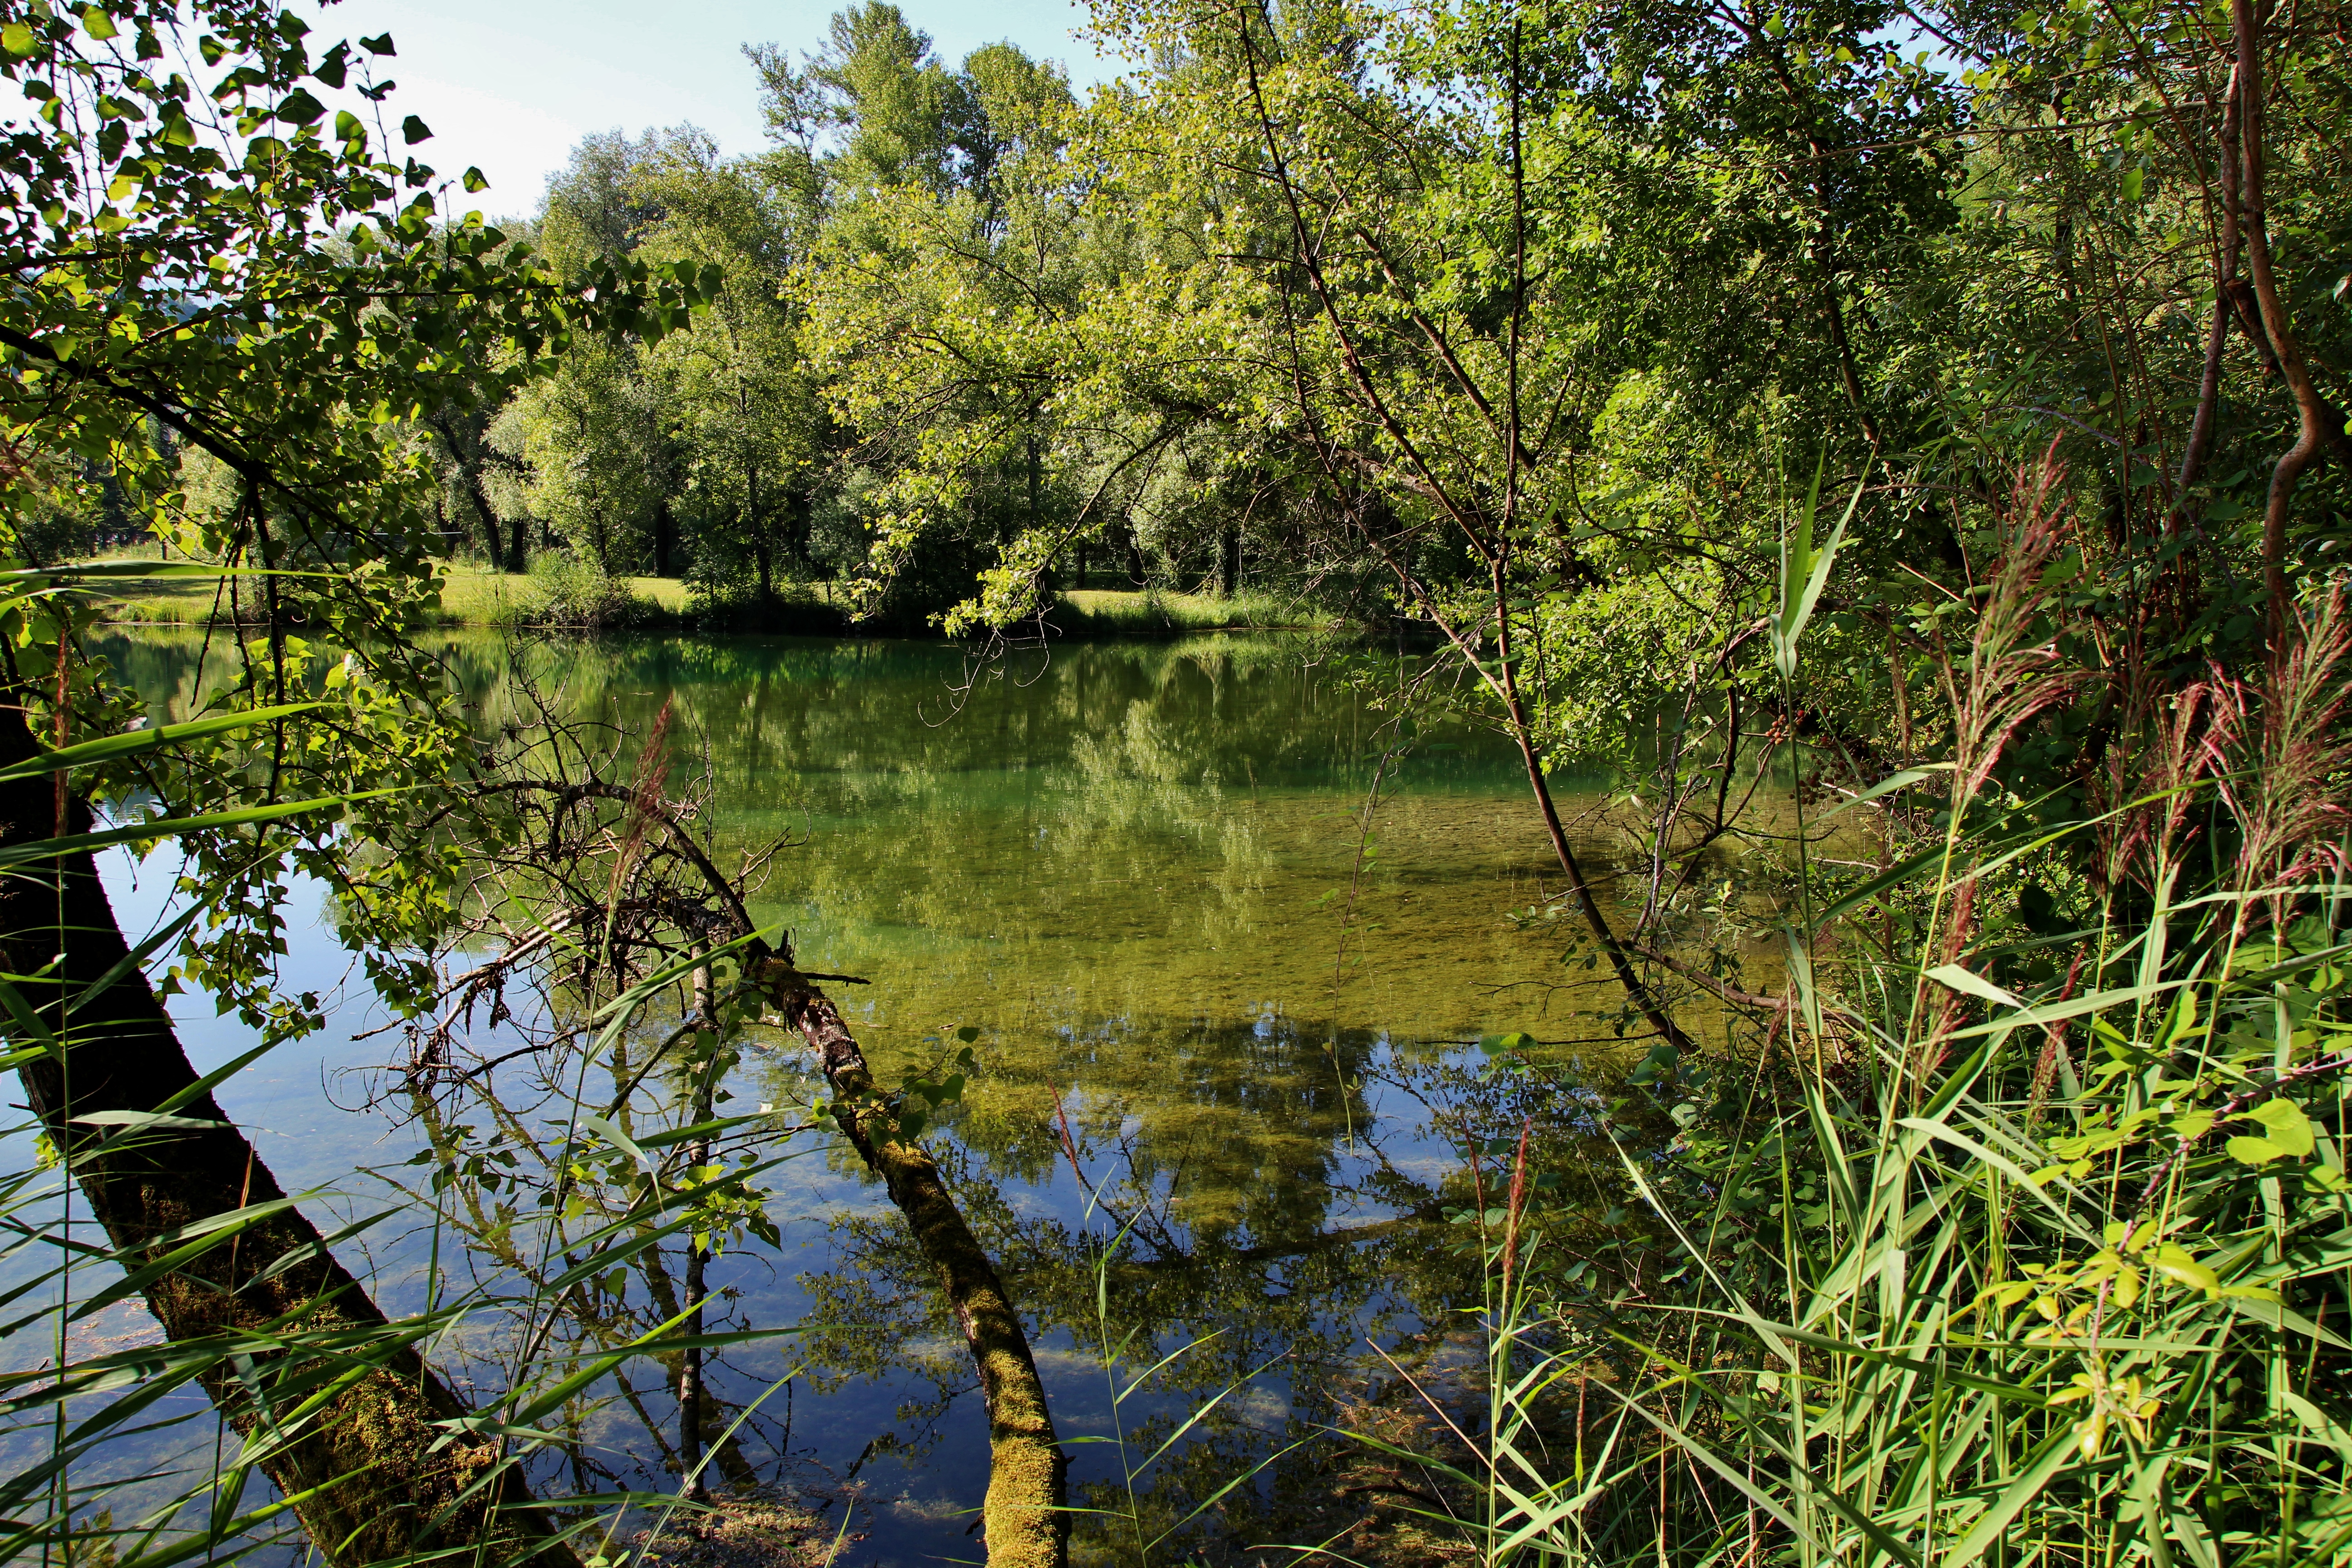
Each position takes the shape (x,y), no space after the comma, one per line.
(1266,309)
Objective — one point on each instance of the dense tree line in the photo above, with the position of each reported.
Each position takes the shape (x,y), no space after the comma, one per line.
(1273,307)
(1364,302)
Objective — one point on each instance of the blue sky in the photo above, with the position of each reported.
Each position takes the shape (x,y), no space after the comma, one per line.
(510,85)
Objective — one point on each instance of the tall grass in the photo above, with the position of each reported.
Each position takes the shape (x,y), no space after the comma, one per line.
(1992,1241)
(1101,613)
(233,1398)
(202,1492)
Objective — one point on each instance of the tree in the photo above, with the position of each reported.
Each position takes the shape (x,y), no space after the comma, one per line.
(226,269)
(938,304)
(740,398)
(892,114)
(594,439)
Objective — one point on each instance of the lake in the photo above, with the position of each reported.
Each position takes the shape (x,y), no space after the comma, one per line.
(1140,873)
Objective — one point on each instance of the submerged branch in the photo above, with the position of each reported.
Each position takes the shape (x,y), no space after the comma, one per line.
(1024,1517)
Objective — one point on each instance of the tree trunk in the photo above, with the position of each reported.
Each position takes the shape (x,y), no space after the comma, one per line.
(476,492)
(800,507)
(381,1491)
(1024,1515)
(2319,424)
(762,547)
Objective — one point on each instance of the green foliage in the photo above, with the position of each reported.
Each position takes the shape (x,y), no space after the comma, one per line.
(2005,1224)
(228,314)
(567,593)
(1881,1321)
(1931,1266)
(220,312)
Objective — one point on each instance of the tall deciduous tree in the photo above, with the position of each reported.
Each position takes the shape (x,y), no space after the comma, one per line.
(593,436)
(938,303)
(735,388)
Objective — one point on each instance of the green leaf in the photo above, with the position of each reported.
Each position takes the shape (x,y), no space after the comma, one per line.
(147,1119)
(613,1134)
(1888,785)
(2175,1263)
(2056,1452)
(1973,984)
(379,45)
(1805,572)
(532,1404)
(110,747)
(2284,1126)
(412,131)
(17,39)
(97,23)
(168,826)
(476,180)
(2253,1151)
(299,108)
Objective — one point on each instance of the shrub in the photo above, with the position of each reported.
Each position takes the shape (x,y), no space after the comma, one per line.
(569,593)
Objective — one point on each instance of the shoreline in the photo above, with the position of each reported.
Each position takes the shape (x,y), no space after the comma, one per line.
(662,606)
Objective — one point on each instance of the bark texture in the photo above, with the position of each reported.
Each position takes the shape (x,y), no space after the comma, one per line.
(381,1492)
(2319,426)
(1026,1515)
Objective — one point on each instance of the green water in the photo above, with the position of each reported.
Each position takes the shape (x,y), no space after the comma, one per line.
(1140,873)
(1125,831)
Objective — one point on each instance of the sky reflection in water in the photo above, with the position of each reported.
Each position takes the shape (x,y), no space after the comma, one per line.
(1127,866)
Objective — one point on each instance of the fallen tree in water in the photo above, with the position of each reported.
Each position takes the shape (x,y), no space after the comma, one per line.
(367,1442)
(1026,1517)
(617,885)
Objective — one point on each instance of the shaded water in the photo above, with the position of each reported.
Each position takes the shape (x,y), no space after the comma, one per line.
(1137,870)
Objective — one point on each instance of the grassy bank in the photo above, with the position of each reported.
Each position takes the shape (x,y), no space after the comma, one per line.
(1103,612)
(473,597)
(469,597)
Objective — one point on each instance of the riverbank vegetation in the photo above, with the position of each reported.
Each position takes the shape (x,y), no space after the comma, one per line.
(1903,446)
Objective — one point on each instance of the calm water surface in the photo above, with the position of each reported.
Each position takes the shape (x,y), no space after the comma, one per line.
(1129,866)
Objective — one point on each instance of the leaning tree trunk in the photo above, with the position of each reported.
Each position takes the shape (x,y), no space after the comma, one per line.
(1024,1516)
(379,1491)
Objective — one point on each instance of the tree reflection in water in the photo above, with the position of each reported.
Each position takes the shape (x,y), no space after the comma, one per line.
(1229,1230)
(1119,874)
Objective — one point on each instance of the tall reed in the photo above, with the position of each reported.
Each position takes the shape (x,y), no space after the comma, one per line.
(1992,1239)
